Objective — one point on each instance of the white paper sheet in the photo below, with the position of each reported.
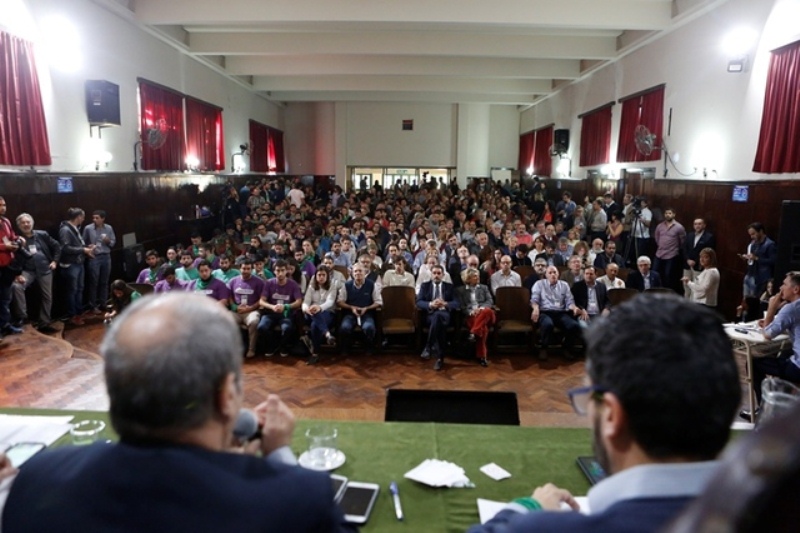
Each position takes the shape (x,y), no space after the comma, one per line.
(24,428)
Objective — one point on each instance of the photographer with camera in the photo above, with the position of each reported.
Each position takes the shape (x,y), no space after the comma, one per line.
(638,218)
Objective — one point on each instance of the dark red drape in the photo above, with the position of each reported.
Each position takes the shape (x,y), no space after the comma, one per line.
(258,147)
(526,153)
(162,127)
(542,161)
(275,156)
(23,128)
(648,110)
(779,140)
(596,137)
(204,139)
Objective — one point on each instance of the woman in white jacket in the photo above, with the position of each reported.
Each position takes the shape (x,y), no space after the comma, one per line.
(705,285)
(318,308)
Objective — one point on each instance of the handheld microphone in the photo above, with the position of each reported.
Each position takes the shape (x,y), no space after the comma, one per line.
(246,426)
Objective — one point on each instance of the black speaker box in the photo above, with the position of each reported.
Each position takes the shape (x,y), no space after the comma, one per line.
(456,407)
(561,137)
(102,103)
(788,241)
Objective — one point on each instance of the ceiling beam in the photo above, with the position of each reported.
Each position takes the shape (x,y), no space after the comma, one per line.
(610,14)
(365,65)
(400,96)
(406,43)
(400,84)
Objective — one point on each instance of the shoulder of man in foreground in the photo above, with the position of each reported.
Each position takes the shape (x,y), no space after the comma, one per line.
(200,489)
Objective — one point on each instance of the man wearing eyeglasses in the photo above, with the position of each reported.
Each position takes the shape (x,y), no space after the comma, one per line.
(660,398)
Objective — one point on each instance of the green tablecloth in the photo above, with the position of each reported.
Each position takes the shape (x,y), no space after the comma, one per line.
(381,452)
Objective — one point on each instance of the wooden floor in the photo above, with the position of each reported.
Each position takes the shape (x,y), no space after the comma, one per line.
(65,371)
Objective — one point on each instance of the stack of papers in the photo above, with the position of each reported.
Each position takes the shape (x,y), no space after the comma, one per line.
(25,428)
(437,473)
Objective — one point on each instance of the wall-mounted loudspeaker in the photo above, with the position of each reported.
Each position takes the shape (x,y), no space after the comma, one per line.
(102,103)
(561,137)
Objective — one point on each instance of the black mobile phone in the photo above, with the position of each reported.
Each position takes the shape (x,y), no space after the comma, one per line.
(591,469)
(22,451)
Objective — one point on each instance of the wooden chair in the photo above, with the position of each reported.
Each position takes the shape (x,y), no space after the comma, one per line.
(599,271)
(399,312)
(345,272)
(659,290)
(513,313)
(524,271)
(142,288)
(623,274)
(617,296)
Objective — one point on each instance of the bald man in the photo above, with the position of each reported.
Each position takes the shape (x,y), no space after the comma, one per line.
(175,394)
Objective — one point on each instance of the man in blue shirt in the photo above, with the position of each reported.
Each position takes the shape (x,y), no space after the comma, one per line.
(661,395)
(783,314)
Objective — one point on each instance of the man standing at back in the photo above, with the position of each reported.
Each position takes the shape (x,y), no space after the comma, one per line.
(74,251)
(175,395)
(670,236)
(101,235)
(9,244)
(657,432)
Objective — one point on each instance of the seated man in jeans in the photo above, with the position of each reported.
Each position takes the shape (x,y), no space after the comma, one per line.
(279,302)
(359,299)
(553,305)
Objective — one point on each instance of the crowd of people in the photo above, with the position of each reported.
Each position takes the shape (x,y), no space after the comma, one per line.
(286,254)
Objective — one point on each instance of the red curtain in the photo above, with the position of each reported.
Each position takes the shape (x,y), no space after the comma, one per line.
(542,161)
(779,140)
(161,127)
(23,128)
(596,137)
(204,135)
(526,153)
(275,156)
(646,109)
(258,147)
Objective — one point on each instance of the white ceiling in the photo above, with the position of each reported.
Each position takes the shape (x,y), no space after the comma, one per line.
(445,51)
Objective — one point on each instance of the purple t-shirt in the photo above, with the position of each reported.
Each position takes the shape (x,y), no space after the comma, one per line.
(164,286)
(150,276)
(281,294)
(246,291)
(213,288)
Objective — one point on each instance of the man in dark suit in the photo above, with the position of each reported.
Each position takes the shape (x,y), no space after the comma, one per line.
(438,299)
(550,255)
(643,278)
(701,238)
(610,255)
(590,297)
(175,395)
(656,436)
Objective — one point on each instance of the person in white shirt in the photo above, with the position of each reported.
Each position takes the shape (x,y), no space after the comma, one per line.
(399,276)
(553,305)
(704,285)
(505,277)
(610,280)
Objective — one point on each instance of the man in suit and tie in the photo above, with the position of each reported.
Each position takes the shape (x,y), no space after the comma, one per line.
(701,238)
(175,396)
(438,299)
(643,278)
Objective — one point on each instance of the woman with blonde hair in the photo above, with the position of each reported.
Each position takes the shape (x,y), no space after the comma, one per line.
(705,285)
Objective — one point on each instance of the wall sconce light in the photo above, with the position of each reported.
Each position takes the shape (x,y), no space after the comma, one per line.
(192,163)
(737,64)
(238,166)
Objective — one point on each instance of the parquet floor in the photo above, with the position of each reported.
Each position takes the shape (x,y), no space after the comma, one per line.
(65,371)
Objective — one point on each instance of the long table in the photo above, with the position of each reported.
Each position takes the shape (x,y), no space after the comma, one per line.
(382,452)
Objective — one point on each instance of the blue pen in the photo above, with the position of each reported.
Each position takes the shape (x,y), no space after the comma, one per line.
(398,509)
